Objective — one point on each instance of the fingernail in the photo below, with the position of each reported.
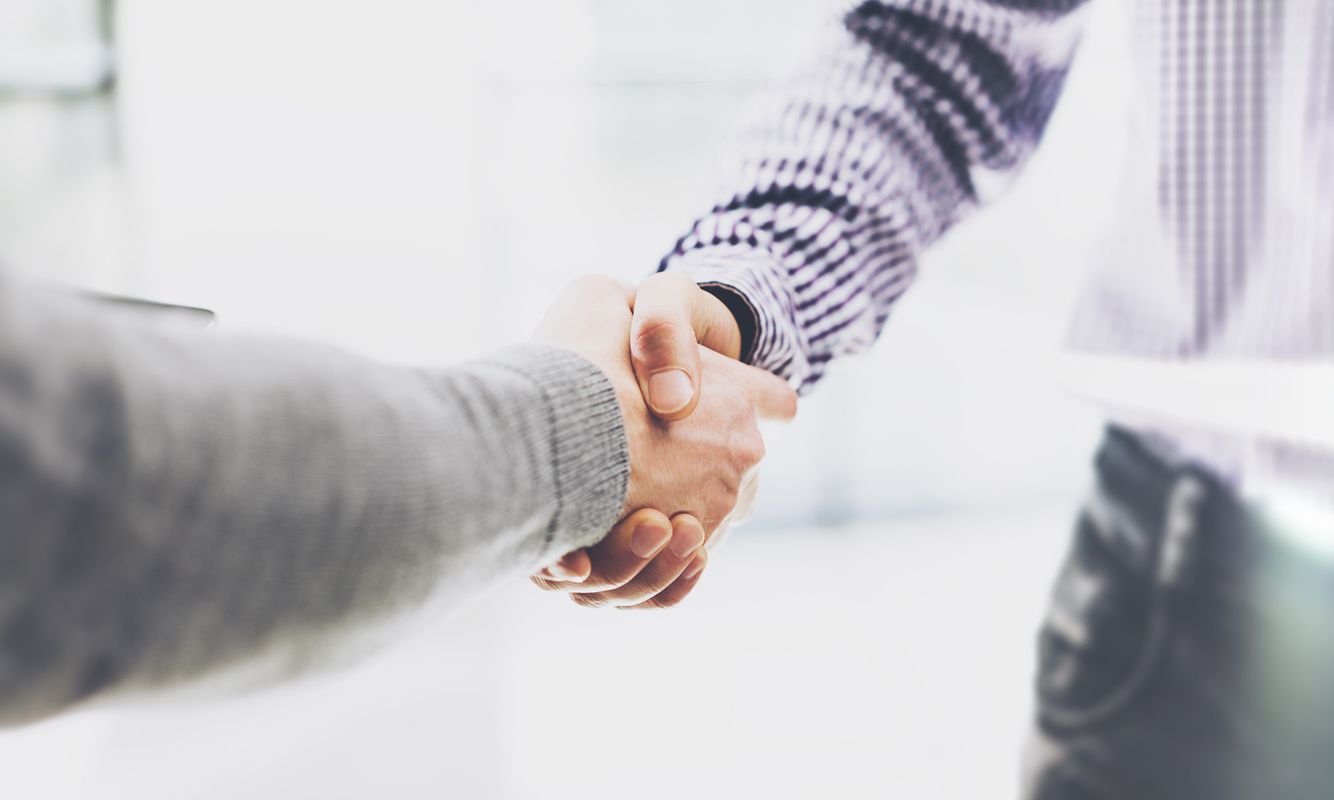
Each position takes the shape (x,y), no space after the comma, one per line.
(670,391)
(649,539)
(686,539)
(696,567)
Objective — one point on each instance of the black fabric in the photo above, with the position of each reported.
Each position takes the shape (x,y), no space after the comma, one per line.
(1189,648)
(741,311)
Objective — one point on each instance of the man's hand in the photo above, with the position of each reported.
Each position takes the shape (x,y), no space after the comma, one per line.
(673,317)
(647,561)
(696,465)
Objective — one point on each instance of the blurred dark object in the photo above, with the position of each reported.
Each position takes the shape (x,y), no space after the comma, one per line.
(191,315)
(1187,650)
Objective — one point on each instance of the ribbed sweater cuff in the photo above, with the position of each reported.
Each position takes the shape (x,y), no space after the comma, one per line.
(590,454)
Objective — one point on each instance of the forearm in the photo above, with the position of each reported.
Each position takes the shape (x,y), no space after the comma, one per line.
(173,503)
(869,157)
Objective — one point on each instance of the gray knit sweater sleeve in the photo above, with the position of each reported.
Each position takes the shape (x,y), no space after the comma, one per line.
(172,503)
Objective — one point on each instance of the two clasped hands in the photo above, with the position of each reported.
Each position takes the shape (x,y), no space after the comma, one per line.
(691,413)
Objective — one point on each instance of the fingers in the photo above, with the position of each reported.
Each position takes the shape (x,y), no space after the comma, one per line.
(687,539)
(680,588)
(672,317)
(772,397)
(617,559)
(572,567)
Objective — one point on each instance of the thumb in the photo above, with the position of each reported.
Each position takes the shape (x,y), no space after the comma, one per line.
(672,317)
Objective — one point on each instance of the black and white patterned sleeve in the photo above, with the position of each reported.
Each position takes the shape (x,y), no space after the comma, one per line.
(867,157)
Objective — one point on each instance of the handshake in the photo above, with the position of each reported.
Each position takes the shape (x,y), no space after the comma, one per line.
(690,411)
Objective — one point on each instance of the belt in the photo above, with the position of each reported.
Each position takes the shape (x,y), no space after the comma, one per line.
(1170,514)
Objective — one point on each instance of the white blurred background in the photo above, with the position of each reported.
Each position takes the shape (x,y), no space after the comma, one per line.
(413,179)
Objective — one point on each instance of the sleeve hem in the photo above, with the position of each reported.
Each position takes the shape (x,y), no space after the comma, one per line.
(589,450)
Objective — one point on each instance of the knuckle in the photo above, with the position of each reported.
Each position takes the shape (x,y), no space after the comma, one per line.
(753,448)
(591,284)
(593,583)
(666,600)
(666,280)
(631,598)
(639,590)
(619,577)
(651,587)
(656,336)
(747,448)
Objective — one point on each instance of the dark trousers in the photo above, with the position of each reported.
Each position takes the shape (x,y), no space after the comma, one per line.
(1189,648)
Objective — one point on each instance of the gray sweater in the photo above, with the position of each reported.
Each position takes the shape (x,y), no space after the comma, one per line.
(174,502)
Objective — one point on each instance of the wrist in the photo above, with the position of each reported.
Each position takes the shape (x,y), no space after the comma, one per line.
(741,313)
(638,427)
(744,281)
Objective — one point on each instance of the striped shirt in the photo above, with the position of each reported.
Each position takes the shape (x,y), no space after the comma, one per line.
(1224,254)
